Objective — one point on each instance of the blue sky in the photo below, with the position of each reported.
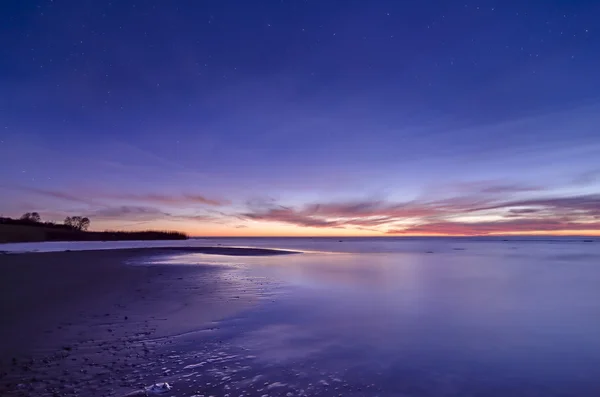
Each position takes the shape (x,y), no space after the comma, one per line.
(275,113)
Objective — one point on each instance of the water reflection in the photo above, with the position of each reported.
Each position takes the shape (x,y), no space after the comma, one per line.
(421,324)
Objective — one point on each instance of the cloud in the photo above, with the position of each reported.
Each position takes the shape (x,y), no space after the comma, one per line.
(499,227)
(440,216)
(523,211)
(510,188)
(288,215)
(100,207)
(583,205)
(368,213)
(182,199)
(588,177)
(146,214)
(197,218)
(151,198)
(493,187)
(55,194)
(363,214)
(484,208)
(137,213)
(379,209)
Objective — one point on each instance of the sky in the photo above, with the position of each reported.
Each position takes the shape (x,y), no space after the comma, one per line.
(303,117)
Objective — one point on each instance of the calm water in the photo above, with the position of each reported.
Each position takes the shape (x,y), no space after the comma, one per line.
(344,244)
(399,317)
(420,317)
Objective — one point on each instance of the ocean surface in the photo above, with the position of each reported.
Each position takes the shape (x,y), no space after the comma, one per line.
(331,244)
(401,317)
(413,317)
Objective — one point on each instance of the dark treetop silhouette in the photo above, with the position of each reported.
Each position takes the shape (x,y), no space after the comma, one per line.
(29,227)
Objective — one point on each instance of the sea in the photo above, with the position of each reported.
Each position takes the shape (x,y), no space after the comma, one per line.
(501,316)
(332,244)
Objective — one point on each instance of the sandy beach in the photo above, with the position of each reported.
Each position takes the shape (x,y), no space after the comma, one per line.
(83,323)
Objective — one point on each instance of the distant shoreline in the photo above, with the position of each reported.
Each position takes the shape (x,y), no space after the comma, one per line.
(41,232)
(509,238)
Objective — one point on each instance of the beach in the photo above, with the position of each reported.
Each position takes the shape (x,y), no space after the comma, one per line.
(78,323)
(357,317)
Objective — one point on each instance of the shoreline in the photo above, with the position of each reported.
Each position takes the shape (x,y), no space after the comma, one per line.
(82,322)
(208,250)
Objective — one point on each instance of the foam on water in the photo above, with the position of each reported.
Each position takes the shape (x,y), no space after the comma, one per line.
(158,388)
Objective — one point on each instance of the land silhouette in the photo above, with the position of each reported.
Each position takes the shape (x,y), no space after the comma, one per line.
(30,228)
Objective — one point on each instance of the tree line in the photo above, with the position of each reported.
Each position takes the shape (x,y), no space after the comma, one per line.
(79,223)
(72,229)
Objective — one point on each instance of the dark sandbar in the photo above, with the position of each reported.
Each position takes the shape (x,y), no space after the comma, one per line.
(227,251)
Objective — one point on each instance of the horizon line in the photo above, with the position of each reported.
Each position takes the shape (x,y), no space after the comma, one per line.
(413,236)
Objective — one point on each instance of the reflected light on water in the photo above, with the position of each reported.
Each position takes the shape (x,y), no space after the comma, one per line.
(490,319)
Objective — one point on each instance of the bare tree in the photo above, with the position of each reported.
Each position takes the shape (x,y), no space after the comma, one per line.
(77,222)
(31,217)
(84,223)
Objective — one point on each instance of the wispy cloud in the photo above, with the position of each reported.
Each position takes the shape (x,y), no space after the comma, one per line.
(150,198)
(493,187)
(144,213)
(588,177)
(130,213)
(481,209)
(181,199)
(56,194)
(365,214)
(525,225)
(289,215)
(584,205)
(442,216)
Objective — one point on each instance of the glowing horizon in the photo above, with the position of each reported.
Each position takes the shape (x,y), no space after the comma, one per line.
(483,209)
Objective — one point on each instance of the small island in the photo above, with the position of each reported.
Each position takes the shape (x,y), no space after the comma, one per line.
(31,228)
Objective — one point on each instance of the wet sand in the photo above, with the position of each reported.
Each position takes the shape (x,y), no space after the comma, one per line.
(86,323)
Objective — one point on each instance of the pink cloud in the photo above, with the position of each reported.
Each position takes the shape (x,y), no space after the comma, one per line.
(544,214)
